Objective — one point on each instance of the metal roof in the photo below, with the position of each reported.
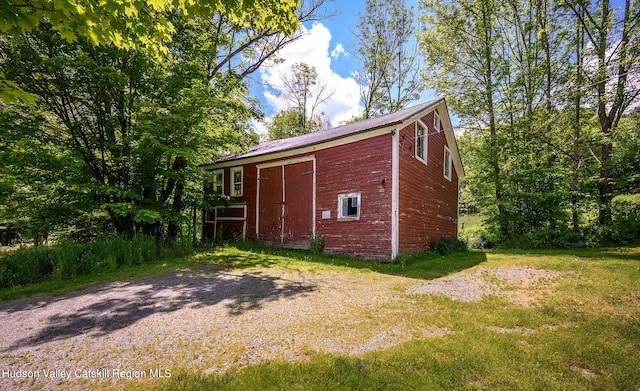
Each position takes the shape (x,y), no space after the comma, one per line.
(322,136)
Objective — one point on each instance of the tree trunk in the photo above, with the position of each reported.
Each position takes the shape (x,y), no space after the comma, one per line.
(575,215)
(495,163)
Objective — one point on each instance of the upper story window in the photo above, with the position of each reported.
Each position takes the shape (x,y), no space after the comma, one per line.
(436,121)
(236,182)
(421,142)
(447,163)
(349,206)
(218,182)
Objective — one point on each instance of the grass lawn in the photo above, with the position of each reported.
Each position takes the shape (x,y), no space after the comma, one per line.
(577,328)
(581,331)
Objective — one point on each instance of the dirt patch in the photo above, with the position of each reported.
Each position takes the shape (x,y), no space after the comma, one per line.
(586,372)
(476,285)
(462,287)
(523,276)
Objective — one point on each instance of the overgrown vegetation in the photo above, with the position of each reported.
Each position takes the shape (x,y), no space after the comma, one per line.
(316,244)
(448,246)
(480,232)
(114,141)
(67,259)
(546,93)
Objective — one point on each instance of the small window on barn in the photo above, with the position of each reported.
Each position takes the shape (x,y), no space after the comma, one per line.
(436,121)
(236,182)
(349,206)
(447,163)
(421,142)
(217,186)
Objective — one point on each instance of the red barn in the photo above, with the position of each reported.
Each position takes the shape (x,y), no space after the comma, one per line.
(372,188)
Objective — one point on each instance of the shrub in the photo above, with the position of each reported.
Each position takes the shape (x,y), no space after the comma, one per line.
(626,217)
(625,224)
(447,246)
(316,244)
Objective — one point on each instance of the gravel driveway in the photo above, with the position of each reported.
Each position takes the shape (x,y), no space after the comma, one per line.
(203,319)
(208,320)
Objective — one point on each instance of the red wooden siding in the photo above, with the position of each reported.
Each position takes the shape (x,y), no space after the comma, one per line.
(298,206)
(428,202)
(270,211)
(285,209)
(361,167)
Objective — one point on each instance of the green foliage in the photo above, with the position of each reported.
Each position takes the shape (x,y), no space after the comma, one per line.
(69,259)
(624,228)
(303,92)
(131,25)
(116,134)
(291,123)
(316,244)
(26,266)
(448,246)
(543,148)
(474,232)
(389,75)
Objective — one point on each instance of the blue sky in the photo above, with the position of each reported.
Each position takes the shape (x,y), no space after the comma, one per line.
(327,45)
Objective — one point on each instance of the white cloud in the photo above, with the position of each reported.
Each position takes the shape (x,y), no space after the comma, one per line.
(337,51)
(313,49)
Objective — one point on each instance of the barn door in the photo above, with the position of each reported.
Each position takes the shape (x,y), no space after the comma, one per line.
(285,204)
(270,205)
(298,204)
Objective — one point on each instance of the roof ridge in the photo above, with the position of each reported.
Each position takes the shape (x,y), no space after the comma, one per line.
(336,132)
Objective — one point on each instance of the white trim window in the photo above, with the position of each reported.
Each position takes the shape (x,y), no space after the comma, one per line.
(447,163)
(436,121)
(237,174)
(422,141)
(218,182)
(349,206)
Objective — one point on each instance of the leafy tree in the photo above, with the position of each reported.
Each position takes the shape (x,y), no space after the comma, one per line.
(132,24)
(132,128)
(389,76)
(615,48)
(537,88)
(129,125)
(290,123)
(304,93)
(461,38)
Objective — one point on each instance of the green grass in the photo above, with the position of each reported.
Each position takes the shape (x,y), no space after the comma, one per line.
(582,334)
(63,286)
(51,268)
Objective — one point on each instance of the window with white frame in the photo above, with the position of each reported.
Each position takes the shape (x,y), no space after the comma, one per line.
(447,163)
(236,182)
(349,206)
(421,142)
(436,121)
(218,182)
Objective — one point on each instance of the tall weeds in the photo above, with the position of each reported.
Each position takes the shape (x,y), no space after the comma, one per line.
(67,258)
